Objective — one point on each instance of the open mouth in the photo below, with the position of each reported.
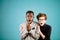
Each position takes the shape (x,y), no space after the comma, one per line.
(41,23)
(29,21)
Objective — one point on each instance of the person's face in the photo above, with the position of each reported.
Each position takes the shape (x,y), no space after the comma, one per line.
(41,21)
(29,17)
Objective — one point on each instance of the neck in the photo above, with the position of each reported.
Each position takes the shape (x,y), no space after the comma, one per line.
(29,22)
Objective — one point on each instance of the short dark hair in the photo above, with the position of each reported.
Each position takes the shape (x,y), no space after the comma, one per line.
(41,15)
(29,12)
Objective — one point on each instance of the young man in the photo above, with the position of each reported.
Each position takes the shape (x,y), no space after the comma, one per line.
(28,30)
(45,29)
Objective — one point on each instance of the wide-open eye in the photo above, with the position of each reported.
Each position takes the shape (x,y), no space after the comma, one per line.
(28,16)
(31,16)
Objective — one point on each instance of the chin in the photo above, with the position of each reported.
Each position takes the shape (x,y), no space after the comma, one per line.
(41,24)
(29,22)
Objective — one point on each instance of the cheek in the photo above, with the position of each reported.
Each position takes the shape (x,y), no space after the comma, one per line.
(31,18)
(26,18)
(39,22)
(43,21)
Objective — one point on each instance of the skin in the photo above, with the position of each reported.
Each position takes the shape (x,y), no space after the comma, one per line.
(29,18)
(41,22)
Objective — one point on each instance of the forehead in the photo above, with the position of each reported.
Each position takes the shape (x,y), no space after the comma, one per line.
(29,14)
(41,17)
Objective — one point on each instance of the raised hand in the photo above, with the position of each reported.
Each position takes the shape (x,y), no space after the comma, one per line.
(28,27)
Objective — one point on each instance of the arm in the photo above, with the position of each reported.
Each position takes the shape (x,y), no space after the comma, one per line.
(48,32)
(40,33)
(23,33)
(35,34)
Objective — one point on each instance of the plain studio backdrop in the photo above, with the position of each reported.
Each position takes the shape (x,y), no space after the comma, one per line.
(12,14)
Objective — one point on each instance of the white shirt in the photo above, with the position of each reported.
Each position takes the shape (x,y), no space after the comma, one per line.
(33,31)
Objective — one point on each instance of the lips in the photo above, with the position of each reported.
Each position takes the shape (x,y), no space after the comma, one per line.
(41,23)
(29,20)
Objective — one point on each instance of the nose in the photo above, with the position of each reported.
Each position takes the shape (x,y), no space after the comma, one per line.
(29,17)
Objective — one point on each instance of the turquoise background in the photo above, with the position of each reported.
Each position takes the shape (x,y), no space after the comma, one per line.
(12,14)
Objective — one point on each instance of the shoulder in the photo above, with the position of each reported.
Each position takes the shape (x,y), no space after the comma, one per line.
(23,24)
(35,22)
(48,26)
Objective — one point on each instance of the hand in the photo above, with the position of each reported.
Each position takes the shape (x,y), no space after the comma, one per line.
(26,35)
(29,34)
(28,27)
(41,34)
